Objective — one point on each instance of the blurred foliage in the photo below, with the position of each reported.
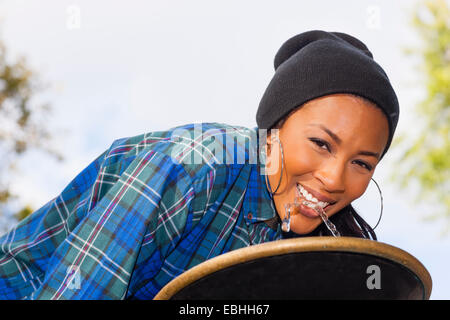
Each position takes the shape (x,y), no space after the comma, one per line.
(426,159)
(24,212)
(22,122)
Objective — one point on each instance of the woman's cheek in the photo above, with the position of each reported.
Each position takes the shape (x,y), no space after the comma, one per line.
(301,159)
(357,187)
(353,192)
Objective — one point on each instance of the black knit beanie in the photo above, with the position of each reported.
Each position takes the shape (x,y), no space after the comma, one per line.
(318,63)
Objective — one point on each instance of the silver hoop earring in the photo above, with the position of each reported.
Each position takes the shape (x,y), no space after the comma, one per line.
(381,196)
(281,173)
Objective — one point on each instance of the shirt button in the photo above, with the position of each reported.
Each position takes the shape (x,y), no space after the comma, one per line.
(249,215)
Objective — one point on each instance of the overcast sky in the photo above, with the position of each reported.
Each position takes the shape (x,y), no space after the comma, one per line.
(122,68)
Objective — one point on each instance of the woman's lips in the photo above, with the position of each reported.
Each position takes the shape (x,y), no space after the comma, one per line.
(317,195)
(309,212)
(305,210)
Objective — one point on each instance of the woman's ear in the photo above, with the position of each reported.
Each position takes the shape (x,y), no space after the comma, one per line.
(269,141)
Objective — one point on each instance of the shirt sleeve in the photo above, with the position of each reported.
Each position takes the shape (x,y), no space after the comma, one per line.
(84,243)
(26,249)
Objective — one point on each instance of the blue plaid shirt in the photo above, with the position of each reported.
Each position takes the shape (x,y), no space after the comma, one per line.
(147,209)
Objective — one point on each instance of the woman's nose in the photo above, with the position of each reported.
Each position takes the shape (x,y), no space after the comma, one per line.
(331,174)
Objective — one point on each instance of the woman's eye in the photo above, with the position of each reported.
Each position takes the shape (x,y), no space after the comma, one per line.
(321,144)
(324,145)
(364,165)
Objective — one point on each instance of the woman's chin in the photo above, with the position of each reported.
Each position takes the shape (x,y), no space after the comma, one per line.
(301,225)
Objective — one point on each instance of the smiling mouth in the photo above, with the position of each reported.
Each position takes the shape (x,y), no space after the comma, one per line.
(302,193)
(311,207)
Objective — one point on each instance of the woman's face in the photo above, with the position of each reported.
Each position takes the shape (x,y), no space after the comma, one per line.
(331,146)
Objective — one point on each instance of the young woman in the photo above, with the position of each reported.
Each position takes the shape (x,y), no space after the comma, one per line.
(157,204)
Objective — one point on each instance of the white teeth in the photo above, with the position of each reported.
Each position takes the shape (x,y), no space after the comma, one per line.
(323,204)
(304,192)
(309,197)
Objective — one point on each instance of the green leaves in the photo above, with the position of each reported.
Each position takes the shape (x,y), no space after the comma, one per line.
(21,122)
(426,159)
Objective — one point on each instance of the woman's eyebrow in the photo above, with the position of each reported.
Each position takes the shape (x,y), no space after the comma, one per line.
(369,153)
(339,141)
(330,133)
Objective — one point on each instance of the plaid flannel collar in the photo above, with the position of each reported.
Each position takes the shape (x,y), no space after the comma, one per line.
(258,204)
